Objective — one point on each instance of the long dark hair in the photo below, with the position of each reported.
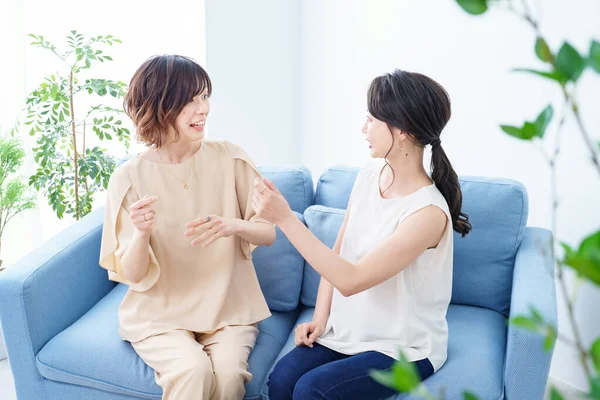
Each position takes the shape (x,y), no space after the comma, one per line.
(420,107)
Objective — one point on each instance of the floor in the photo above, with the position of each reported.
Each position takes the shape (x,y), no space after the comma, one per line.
(7,387)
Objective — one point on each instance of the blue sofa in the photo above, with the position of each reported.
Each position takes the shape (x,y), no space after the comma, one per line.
(59,311)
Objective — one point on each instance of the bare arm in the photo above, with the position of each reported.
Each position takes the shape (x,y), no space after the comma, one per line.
(325,294)
(136,258)
(420,231)
(255,232)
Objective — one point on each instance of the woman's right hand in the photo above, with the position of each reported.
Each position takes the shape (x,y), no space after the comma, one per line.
(307,333)
(142,215)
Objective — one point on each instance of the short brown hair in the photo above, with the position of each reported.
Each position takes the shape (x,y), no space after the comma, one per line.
(159,90)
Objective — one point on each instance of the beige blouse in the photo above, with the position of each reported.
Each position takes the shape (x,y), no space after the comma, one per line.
(191,288)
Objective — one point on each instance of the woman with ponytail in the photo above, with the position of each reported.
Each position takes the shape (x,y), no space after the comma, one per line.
(387,282)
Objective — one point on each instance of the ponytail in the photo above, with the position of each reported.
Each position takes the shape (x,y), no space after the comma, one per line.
(446,181)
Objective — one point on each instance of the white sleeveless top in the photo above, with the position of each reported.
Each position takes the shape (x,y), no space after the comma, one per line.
(408,311)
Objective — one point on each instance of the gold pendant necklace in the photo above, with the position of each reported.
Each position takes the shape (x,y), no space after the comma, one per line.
(185,183)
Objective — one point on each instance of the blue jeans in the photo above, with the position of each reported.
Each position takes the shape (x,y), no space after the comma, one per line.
(321,373)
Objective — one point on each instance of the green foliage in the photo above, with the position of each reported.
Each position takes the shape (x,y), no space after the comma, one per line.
(474,7)
(595,354)
(555,395)
(14,194)
(529,130)
(594,57)
(68,173)
(586,259)
(534,321)
(543,51)
(403,377)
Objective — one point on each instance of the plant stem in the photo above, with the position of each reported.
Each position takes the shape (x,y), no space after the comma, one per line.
(527,16)
(584,133)
(87,189)
(74,136)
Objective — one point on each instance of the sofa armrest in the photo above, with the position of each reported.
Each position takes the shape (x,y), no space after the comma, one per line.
(45,292)
(527,364)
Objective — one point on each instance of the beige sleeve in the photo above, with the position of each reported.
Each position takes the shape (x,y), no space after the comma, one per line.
(118,231)
(245,172)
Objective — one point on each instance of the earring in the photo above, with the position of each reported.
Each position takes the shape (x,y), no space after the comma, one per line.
(403,147)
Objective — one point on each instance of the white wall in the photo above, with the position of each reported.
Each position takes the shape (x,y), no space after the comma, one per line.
(146,29)
(345,44)
(253,61)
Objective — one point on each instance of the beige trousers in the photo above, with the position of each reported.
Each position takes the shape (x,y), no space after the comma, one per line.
(200,366)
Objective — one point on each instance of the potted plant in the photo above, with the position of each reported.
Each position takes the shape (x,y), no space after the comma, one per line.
(70,170)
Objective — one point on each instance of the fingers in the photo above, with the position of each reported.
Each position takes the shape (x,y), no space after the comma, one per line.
(270,185)
(206,226)
(301,335)
(205,236)
(257,202)
(141,211)
(145,201)
(205,219)
(314,333)
(139,219)
(210,241)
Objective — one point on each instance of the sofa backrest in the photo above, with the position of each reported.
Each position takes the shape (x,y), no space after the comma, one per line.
(280,267)
(483,260)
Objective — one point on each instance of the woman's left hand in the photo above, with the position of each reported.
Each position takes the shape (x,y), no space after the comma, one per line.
(268,203)
(210,228)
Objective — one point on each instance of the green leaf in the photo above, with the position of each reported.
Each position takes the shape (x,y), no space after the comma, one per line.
(549,340)
(524,322)
(542,50)
(537,317)
(554,75)
(469,396)
(594,388)
(530,130)
(512,131)
(595,354)
(473,7)
(384,378)
(569,63)
(594,58)
(542,121)
(555,395)
(586,260)
(403,376)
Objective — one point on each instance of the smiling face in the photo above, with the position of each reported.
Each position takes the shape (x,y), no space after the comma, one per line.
(191,121)
(168,100)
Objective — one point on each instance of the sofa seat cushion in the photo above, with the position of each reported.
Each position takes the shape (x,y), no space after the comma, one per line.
(476,348)
(90,353)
